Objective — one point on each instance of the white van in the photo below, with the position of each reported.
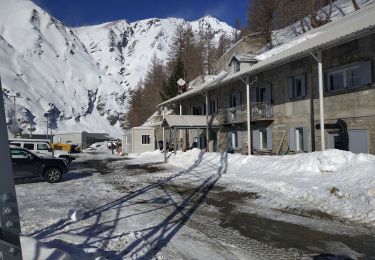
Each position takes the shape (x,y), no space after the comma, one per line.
(41,147)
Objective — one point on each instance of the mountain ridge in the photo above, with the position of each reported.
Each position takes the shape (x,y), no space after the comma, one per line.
(83,76)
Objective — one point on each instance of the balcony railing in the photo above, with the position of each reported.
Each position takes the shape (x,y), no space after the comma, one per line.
(259,111)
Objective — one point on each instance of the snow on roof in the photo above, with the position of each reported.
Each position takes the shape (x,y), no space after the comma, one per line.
(189,121)
(349,27)
(244,57)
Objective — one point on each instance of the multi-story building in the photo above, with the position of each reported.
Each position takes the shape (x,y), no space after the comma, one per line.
(289,108)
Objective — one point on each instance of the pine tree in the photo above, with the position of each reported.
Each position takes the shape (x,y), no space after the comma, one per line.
(170,88)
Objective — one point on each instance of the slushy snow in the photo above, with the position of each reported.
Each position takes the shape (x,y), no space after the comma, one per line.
(336,182)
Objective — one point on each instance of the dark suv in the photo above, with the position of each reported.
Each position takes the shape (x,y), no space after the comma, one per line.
(28,165)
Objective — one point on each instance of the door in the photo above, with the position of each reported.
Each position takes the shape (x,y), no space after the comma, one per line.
(358,141)
(24,164)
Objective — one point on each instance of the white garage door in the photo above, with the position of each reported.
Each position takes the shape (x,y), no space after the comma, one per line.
(358,141)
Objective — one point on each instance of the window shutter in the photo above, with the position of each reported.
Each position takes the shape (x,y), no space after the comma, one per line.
(229,140)
(326,86)
(366,73)
(268,97)
(304,85)
(253,95)
(292,139)
(290,88)
(269,138)
(239,139)
(256,141)
(304,139)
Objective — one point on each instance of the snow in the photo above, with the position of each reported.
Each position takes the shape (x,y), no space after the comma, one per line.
(336,182)
(292,35)
(36,250)
(86,74)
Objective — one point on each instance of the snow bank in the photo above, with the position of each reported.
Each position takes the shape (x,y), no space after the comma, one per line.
(337,182)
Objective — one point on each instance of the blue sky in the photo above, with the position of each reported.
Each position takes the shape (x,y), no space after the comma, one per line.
(87,12)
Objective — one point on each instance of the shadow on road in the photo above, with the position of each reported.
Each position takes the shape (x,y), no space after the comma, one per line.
(154,238)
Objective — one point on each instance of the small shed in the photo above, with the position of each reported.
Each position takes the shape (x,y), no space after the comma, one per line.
(139,139)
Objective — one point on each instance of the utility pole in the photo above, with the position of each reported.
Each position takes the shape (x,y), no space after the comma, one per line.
(10,246)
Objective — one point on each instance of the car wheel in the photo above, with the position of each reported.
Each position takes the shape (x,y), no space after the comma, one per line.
(53,175)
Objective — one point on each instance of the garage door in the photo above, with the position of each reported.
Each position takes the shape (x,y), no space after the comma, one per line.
(358,141)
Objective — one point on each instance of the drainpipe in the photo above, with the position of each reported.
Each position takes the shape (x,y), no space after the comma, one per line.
(318,58)
(248,113)
(164,141)
(180,132)
(207,129)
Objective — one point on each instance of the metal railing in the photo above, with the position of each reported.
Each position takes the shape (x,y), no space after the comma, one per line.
(259,111)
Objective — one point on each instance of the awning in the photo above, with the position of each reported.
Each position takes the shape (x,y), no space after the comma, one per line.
(189,121)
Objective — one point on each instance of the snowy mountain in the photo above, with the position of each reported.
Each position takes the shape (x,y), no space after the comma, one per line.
(124,49)
(82,76)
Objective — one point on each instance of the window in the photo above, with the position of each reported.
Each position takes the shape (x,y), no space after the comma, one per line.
(198,110)
(18,154)
(42,147)
(262,139)
(213,107)
(234,141)
(146,139)
(298,139)
(28,146)
(235,99)
(261,94)
(236,66)
(358,140)
(297,87)
(349,77)
(16,144)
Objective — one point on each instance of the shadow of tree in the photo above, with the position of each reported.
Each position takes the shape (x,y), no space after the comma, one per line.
(159,235)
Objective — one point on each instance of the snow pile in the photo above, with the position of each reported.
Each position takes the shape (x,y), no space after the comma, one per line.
(336,182)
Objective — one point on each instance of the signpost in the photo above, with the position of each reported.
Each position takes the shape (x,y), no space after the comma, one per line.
(10,247)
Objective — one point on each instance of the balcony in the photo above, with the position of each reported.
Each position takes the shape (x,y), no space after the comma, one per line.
(234,115)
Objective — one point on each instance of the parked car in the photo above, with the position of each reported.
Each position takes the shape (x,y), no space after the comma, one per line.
(42,147)
(28,165)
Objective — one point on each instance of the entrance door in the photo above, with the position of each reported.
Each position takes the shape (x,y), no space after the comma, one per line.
(358,141)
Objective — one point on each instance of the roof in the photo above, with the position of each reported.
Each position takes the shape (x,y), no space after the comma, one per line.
(352,26)
(191,121)
(244,57)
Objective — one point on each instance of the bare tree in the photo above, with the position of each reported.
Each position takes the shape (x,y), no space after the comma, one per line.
(355,5)
(261,16)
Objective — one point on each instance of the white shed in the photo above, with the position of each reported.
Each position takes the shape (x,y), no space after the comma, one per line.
(139,139)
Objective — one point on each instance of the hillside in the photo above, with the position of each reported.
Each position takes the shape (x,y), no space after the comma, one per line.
(83,76)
